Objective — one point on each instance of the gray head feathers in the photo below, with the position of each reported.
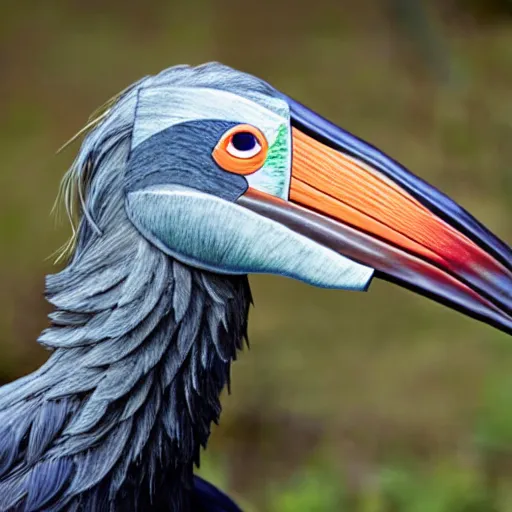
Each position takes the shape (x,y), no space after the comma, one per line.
(142,348)
(116,119)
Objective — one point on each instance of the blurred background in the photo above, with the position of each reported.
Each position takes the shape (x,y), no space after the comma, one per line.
(360,402)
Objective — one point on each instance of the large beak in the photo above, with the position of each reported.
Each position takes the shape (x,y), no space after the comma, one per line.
(352,198)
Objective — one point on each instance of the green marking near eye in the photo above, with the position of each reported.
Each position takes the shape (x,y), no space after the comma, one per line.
(277,158)
(274,175)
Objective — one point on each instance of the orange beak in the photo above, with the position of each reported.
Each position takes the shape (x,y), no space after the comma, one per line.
(349,196)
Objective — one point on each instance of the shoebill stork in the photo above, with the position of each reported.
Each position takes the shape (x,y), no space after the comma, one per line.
(185,183)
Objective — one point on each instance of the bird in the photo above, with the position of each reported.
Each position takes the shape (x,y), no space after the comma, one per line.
(185,183)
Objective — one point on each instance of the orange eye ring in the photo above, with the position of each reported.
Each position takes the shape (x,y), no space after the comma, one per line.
(237,161)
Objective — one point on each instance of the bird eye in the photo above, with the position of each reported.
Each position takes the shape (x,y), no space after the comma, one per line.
(241,150)
(243,145)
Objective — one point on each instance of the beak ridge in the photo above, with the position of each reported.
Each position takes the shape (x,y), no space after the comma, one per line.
(439,203)
(354,199)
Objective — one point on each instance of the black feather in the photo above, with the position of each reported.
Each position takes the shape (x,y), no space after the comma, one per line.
(207,498)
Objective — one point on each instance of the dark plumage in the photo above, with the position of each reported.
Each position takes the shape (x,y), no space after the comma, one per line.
(206,498)
(143,348)
(143,344)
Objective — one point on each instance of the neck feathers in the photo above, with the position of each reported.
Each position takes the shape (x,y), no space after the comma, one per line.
(142,349)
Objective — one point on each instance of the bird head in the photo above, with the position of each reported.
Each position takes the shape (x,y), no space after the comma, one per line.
(227,174)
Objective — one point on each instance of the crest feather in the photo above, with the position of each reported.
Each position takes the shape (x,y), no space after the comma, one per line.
(75,182)
(111,119)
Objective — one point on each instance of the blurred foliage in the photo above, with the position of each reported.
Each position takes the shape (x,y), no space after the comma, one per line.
(485,8)
(379,402)
(313,490)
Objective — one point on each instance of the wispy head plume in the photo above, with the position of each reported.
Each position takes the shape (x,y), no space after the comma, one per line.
(74,186)
(114,121)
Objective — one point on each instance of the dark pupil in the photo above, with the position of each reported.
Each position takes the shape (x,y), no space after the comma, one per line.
(243,141)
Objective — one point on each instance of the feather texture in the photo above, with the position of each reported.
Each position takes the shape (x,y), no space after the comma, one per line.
(116,417)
